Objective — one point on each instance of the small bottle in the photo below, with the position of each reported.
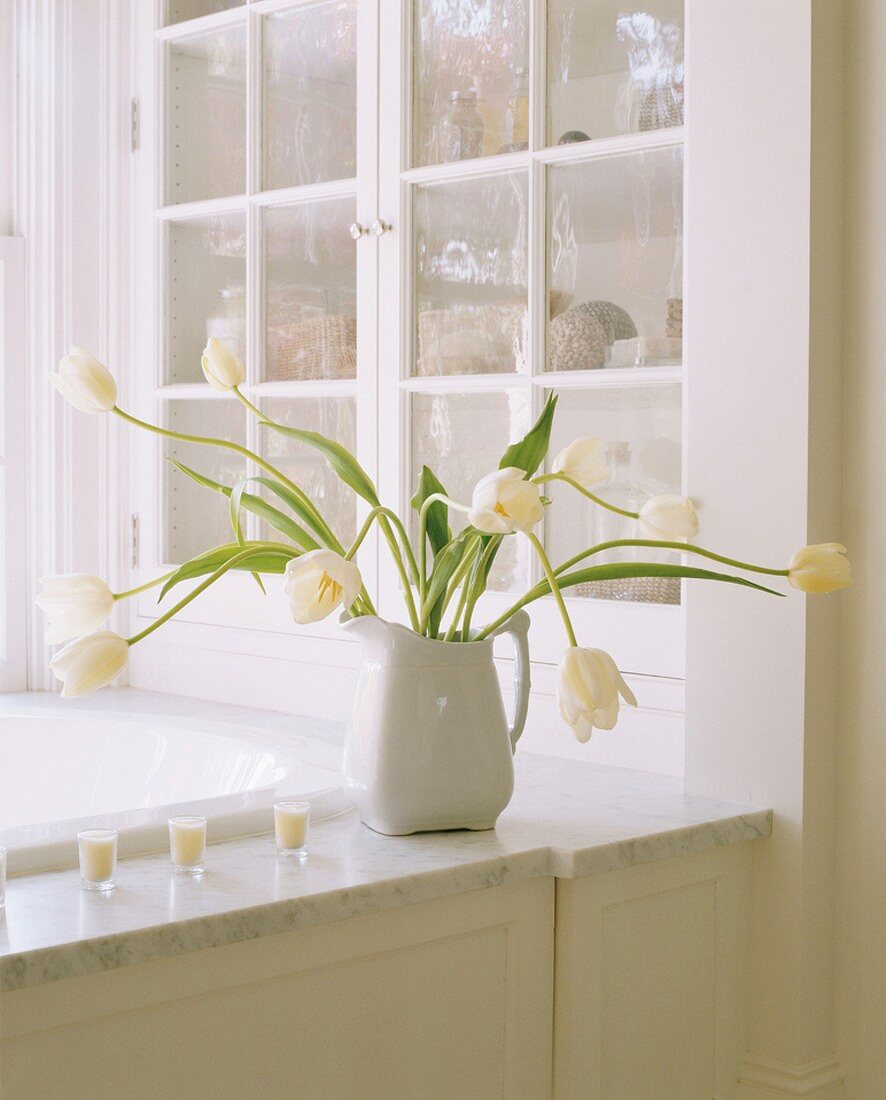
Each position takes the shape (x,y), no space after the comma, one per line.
(463,132)
(620,491)
(227,322)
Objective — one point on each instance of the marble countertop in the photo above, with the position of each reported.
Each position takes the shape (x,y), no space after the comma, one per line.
(566,819)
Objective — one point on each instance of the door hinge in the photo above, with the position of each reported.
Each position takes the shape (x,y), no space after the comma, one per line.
(134,134)
(133,541)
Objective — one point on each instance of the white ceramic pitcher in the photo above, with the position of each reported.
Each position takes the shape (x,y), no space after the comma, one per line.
(428,745)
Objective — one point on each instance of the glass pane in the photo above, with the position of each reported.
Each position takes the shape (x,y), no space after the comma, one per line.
(310,291)
(462,437)
(179,10)
(641,430)
(206,291)
(471,242)
(310,94)
(334,417)
(195,518)
(471,79)
(615,262)
(613,68)
(206,116)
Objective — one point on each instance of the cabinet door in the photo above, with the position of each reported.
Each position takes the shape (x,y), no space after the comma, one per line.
(531,163)
(258,124)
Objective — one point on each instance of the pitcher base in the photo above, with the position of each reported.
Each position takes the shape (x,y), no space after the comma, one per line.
(389,829)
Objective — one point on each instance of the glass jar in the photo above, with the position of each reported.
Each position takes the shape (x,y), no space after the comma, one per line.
(463,129)
(227,322)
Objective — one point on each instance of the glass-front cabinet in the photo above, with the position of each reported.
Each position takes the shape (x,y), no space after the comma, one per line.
(414,221)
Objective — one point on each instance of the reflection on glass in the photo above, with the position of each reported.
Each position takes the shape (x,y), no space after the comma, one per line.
(310,291)
(197,519)
(462,437)
(206,284)
(471,79)
(471,241)
(641,430)
(206,116)
(310,95)
(179,10)
(613,68)
(615,262)
(334,417)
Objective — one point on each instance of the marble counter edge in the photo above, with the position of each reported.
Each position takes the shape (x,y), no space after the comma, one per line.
(95,954)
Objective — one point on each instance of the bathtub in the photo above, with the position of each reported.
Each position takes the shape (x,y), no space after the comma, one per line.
(132,762)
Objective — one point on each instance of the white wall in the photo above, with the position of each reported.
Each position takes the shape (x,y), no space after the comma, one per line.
(861,871)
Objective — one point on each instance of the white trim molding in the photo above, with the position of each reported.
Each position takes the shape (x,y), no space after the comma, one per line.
(764,1078)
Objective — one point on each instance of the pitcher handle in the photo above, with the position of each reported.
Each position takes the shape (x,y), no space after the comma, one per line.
(518,628)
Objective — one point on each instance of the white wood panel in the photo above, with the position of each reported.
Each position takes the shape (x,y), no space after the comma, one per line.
(446,999)
(649,986)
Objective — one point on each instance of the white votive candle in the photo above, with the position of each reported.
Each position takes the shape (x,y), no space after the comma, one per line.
(291,822)
(187,844)
(98,858)
(2,877)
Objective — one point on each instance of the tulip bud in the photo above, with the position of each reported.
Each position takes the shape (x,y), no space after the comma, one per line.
(820,568)
(221,366)
(669,518)
(85,382)
(584,461)
(504,502)
(318,582)
(90,663)
(76,603)
(588,687)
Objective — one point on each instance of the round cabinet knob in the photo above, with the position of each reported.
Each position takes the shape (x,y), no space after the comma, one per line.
(379,228)
(357,230)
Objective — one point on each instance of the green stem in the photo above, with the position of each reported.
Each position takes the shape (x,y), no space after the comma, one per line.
(211,579)
(453,626)
(682,547)
(401,569)
(319,524)
(434,498)
(477,584)
(143,587)
(249,405)
(585,493)
(454,582)
(552,581)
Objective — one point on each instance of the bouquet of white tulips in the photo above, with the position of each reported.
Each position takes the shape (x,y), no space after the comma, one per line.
(443,574)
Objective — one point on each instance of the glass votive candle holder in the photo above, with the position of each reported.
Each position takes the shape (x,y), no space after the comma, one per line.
(2,877)
(291,823)
(187,844)
(98,858)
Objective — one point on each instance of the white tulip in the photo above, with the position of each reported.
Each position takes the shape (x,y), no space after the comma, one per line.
(504,502)
(76,603)
(584,461)
(318,582)
(85,382)
(820,568)
(670,518)
(221,366)
(588,687)
(90,663)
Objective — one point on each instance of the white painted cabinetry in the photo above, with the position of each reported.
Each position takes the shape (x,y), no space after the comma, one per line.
(633,993)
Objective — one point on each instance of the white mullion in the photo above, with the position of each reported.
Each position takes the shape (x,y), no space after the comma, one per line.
(538,57)
(609,376)
(312,387)
(468,169)
(618,145)
(307,192)
(203,24)
(201,208)
(464,383)
(254,265)
(538,275)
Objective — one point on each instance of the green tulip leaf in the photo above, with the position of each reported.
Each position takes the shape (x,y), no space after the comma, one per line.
(340,459)
(235,504)
(265,560)
(624,570)
(259,507)
(529,452)
(438,530)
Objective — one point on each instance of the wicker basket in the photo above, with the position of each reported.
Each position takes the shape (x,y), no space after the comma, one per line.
(635,590)
(322,347)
